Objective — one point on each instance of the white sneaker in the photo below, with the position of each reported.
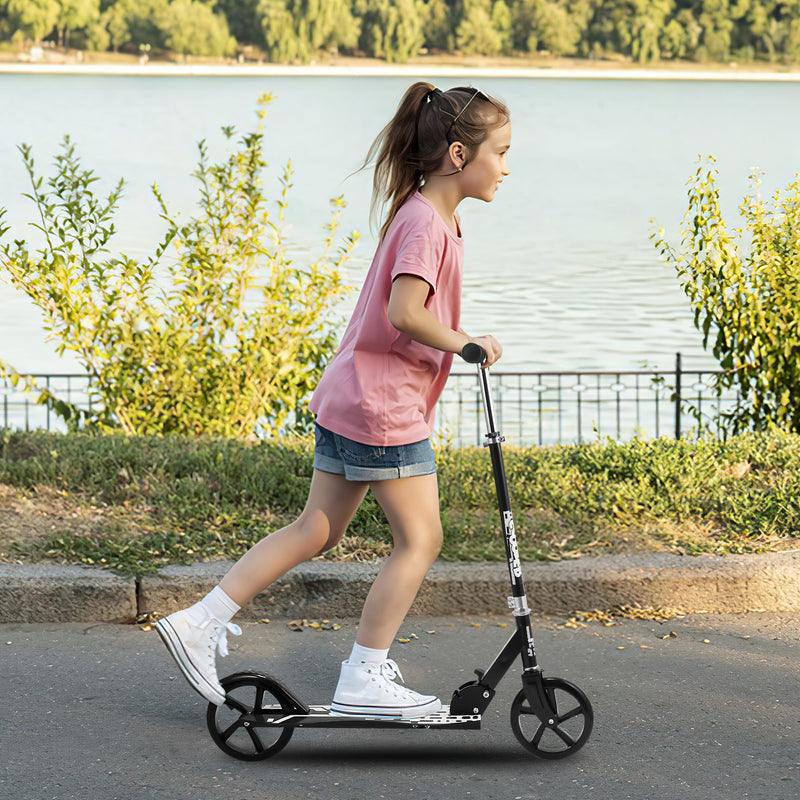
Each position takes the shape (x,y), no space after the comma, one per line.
(369,690)
(194,645)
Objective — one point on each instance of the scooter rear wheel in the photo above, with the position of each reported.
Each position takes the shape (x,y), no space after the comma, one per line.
(571,725)
(230,725)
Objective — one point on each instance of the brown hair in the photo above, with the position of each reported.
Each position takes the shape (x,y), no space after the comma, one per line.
(426,123)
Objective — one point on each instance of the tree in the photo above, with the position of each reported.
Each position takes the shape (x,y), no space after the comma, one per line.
(503,24)
(556,30)
(74,14)
(32,19)
(391,30)
(649,18)
(219,332)
(243,20)
(435,18)
(693,31)
(134,22)
(331,25)
(403,36)
(631,27)
(745,295)
(715,20)
(476,34)
(190,27)
(672,40)
(280,35)
(294,30)
(791,47)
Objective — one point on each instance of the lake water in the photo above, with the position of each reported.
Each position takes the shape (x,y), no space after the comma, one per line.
(559,267)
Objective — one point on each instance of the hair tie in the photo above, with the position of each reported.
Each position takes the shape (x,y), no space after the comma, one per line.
(431,94)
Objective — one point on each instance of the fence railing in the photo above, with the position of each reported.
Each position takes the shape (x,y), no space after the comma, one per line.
(548,408)
(19,409)
(532,408)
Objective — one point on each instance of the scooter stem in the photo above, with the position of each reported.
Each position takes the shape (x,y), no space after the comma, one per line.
(518,601)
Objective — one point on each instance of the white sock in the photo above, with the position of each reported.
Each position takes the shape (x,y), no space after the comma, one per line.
(367,655)
(219,605)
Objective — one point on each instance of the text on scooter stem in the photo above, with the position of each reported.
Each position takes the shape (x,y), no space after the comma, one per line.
(511,537)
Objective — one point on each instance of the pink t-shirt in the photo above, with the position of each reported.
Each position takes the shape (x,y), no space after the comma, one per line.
(381,387)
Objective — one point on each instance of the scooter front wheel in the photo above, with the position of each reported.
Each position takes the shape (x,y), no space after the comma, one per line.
(561,734)
(231,725)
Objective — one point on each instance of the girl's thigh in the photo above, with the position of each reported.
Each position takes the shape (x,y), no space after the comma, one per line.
(332,502)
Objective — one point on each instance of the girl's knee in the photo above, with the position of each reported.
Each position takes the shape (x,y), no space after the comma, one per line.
(436,544)
(436,540)
(425,548)
(315,530)
(333,538)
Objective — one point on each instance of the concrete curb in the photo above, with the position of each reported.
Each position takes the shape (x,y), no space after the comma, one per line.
(736,584)
(56,593)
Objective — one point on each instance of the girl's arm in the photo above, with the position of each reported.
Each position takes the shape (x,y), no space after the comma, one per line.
(408,314)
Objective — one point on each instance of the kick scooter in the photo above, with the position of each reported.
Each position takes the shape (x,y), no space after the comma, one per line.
(551,717)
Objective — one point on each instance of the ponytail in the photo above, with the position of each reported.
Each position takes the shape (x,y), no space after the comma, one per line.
(417,138)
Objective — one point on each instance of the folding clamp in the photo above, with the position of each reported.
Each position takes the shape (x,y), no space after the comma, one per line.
(519,605)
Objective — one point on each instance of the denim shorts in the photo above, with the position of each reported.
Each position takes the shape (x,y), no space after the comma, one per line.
(366,462)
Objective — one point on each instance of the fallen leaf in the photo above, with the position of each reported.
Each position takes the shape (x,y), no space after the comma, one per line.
(314,624)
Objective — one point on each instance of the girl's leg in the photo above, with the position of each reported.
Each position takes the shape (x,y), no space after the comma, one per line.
(332,503)
(193,635)
(411,506)
(366,683)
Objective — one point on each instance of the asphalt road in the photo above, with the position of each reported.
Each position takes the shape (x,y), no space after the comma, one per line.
(99,712)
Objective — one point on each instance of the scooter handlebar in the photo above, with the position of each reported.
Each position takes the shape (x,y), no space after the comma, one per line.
(473,353)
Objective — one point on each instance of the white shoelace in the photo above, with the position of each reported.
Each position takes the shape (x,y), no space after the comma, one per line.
(390,670)
(219,636)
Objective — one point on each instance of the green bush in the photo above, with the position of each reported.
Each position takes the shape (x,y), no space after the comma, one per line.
(198,498)
(218,332)
(743,288)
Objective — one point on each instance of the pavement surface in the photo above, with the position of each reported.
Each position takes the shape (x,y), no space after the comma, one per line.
(703,707)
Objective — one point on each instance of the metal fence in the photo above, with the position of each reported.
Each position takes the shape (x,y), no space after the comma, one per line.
(548,408)
(19,409)
(533,408)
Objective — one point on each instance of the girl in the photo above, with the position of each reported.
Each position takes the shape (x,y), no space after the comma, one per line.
(374,405)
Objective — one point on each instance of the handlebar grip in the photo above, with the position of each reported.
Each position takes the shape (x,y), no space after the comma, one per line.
(473,353)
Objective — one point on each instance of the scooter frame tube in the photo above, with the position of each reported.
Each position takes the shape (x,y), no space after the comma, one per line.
(522,640)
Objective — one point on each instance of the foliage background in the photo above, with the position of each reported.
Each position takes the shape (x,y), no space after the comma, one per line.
(301,30)
(218,332)
(743,285)
(152,501)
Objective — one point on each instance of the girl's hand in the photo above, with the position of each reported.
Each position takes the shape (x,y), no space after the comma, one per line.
(492,347)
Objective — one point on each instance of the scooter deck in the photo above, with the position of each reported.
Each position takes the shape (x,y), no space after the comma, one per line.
(321,717)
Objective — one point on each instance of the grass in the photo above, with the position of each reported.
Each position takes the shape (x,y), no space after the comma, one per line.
(136,504)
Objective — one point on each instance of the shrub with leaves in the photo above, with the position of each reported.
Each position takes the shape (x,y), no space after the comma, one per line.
(745,292)
(219,332)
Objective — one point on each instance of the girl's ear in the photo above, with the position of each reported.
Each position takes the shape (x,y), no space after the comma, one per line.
(458,155)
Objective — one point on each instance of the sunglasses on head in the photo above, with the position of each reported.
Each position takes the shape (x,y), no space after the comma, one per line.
(458,116)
